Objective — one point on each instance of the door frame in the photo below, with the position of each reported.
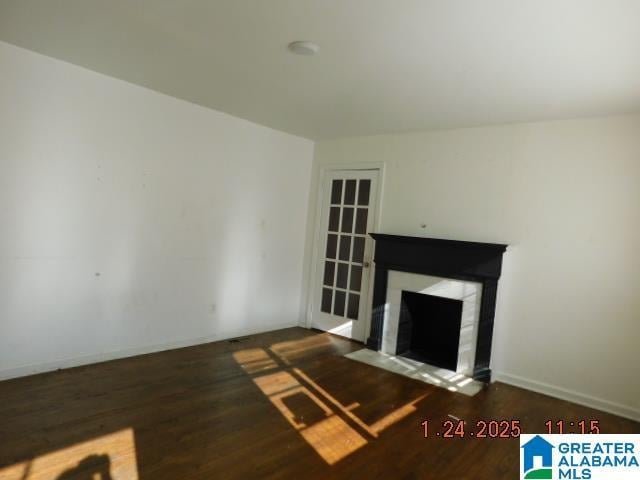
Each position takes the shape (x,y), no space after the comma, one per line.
(315,252)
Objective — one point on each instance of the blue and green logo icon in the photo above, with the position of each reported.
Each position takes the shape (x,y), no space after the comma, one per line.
(537,461)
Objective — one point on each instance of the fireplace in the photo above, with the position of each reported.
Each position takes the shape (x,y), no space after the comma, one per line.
(434,301)
(429,329)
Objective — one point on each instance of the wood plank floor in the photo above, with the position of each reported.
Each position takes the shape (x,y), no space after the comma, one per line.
(284,404)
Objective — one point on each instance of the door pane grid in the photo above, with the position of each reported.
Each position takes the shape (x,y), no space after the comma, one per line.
(346,218)
(351,246)
(337,298)
(344,278)
(340,306)
(350,311)
(346,290)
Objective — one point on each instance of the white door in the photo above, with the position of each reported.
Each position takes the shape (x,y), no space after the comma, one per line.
(344,254)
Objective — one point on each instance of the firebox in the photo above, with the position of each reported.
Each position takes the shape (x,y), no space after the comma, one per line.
(429,329)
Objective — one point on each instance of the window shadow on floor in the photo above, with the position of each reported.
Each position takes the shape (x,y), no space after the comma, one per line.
(332,428)
(92,467)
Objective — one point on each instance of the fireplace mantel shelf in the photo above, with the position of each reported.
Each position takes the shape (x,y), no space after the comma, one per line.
(497,247)
(461,260)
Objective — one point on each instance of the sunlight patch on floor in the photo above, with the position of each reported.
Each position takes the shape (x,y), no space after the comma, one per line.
(109,457)
(331,428)
(395,416)
(440,377)
(332,438)
(254,360)
(292,350)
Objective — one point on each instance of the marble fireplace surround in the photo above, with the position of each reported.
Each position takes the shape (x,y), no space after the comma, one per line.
(473,268)
(470,293)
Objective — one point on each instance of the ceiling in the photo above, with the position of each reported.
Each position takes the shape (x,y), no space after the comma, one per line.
(384,65)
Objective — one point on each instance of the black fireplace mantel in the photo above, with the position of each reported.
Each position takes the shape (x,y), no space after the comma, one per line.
(468,261)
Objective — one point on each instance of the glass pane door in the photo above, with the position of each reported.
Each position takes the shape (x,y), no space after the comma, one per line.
(344,269)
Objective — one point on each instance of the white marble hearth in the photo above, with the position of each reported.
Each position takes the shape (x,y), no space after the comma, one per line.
(452,381)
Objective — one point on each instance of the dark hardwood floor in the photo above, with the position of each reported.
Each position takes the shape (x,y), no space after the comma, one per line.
(284,404)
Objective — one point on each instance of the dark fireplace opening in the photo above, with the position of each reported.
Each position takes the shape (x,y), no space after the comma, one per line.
(429,329)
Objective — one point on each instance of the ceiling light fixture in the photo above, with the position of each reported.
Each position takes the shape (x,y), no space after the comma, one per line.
(304,48)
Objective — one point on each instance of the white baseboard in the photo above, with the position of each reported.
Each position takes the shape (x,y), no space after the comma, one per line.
(569,395)
(131,352)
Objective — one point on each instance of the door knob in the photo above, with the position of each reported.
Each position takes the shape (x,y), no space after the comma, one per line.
(366,264)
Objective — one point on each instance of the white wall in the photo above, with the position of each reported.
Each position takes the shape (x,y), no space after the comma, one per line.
(130,220)
(566,197)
